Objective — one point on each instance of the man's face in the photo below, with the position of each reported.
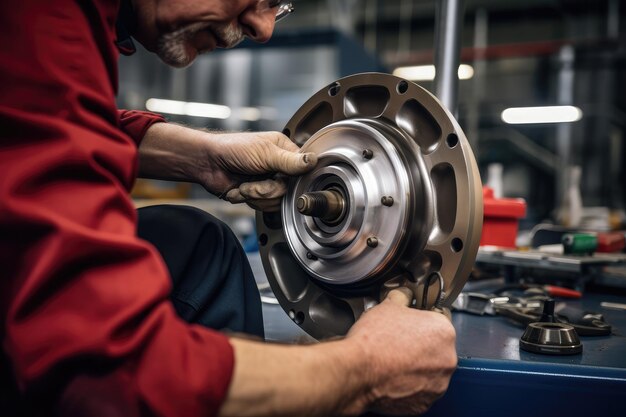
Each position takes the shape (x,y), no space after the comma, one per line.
(179,30)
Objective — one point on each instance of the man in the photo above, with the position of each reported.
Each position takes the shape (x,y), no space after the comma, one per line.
(87,326)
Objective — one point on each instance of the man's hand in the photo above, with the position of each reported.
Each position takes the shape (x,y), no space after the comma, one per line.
(411,353)
(395,359)
(239,167)
(243,167)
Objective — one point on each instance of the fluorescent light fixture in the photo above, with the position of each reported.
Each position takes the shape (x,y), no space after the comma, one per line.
(546,114)
(213,111)
(427,72)
(417,73)
(251,114)
(183,108)
(465,72)
(166,106)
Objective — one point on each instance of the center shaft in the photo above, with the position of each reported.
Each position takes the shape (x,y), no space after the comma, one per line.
(327,205)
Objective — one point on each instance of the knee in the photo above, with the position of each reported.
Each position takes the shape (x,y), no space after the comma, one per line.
(215,229)
(217,238)
(203,222)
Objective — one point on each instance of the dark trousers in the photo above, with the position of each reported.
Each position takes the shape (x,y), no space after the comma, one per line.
(213,284)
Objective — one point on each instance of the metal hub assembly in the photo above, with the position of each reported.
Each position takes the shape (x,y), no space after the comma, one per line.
(395,200)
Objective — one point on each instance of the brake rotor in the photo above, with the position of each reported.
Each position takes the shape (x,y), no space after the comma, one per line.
(395,200)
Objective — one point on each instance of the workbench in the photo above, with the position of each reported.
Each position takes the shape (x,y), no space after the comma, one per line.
(495,378)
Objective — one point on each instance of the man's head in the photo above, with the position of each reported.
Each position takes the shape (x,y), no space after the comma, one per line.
(179,30)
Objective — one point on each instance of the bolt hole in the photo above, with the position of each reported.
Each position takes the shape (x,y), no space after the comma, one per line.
(334,89)
(452,140)
(272,219)
(457,244)
(402,87)
(298,317)
(263,239)
(287,132)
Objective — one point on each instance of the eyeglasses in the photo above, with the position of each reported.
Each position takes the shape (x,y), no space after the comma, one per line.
(283,9)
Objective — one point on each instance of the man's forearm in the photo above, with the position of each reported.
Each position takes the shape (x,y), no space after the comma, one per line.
(284,380)
(171,152)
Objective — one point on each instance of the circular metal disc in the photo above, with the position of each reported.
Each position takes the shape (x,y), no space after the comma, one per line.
(342,255)
(412,198)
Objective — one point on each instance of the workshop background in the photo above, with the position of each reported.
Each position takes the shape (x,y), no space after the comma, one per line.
(560,176)
(515,53)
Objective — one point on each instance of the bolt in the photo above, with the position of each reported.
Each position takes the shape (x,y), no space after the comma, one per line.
(368,154)
(372,242)
(387,201)
(328,205)
(310,256)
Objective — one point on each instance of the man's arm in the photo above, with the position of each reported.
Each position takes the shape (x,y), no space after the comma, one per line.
(135,123)
(394,359)
(314,380)
(239,167)
(81,297)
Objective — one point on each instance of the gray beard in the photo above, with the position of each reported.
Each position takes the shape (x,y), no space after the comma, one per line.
(171,46)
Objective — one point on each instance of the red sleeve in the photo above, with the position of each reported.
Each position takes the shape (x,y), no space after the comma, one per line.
(135,123)
(81,297)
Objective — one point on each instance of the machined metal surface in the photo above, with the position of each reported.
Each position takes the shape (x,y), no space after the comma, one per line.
(551,339)
(395,200)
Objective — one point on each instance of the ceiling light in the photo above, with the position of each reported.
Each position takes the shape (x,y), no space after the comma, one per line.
(427,72)
(251,114)
(546,114)
(183,108)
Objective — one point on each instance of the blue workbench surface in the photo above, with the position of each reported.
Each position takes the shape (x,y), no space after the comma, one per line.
(495,377)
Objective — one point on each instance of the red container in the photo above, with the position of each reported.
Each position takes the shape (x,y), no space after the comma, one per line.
(501,220)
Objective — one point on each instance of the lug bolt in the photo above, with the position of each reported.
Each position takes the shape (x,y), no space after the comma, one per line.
(368,154)
(310,256)
(372,242)
(387,201)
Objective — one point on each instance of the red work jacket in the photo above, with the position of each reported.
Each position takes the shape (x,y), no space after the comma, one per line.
(84,302)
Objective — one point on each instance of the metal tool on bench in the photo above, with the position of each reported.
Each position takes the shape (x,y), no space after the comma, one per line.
(395,200)
(530,308)
(585,323)
(489,304)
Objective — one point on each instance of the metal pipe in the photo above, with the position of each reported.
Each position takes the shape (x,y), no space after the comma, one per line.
(565,96)
(448,25)
(479,84)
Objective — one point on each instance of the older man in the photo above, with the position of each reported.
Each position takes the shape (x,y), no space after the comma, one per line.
(90,323)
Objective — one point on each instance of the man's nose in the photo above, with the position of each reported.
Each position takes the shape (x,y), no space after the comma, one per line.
(258,25)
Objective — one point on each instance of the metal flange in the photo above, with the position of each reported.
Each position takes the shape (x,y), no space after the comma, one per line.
(395,200)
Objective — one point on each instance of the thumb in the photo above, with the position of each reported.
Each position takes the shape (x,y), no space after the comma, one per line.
(401,296)
(291,163)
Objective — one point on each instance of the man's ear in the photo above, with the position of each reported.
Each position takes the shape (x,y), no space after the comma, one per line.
(124,26)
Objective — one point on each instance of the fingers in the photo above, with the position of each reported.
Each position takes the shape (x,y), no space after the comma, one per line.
(291,163)
(283,142)
(234,196)
(401,296)
(265,190)
(443,311)
(263,195)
